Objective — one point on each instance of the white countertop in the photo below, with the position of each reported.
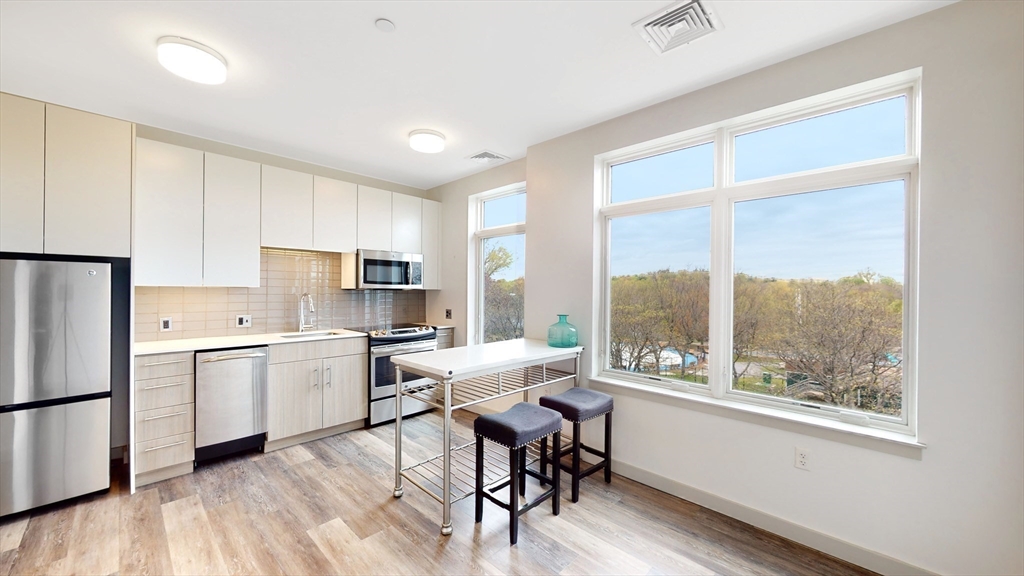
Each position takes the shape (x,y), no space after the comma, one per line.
(438,326)
(469,361)
(193,344)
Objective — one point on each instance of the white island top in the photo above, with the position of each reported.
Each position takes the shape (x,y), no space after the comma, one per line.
(469,361)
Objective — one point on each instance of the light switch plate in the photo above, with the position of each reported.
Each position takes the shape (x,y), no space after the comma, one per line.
(243,321)
(166,324)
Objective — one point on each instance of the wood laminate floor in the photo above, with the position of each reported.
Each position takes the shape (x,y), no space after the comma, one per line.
(326,507)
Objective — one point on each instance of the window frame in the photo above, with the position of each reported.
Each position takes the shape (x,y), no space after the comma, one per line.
(478,234)
(722,198)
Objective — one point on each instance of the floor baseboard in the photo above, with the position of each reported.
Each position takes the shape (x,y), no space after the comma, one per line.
(828,544)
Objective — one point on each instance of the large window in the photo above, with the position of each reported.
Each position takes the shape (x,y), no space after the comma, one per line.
(771,259)
(499,274)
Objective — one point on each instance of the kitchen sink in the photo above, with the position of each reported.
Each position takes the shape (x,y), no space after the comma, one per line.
(318,333)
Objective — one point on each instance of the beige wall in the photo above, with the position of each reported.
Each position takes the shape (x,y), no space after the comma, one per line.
(284,276)
(958,505)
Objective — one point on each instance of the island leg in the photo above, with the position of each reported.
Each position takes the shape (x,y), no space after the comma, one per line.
(398,433)
(446,524)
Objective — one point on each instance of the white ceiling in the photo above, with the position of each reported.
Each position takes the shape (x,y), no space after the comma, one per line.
(316,81)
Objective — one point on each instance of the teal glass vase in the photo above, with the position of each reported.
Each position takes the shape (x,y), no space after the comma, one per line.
(561,334)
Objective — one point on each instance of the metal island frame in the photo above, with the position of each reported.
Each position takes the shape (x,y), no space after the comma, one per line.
(466,376)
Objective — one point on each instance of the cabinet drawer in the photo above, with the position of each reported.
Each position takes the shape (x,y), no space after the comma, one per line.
(164,392)
(161,422)
(163,365)
(298,352)
(164,452)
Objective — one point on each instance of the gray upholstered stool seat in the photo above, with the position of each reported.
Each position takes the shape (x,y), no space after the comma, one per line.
(579,404)
(514,429)
(519,425)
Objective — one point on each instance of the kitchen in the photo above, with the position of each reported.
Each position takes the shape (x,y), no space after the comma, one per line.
(270,319)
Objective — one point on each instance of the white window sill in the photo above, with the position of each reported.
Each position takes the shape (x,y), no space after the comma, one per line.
(871,438)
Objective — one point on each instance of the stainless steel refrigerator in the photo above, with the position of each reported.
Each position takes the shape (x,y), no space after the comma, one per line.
(55,341)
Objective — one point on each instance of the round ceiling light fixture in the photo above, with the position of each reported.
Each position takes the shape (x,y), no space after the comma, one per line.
(191,60)
(426,141)
(384,25)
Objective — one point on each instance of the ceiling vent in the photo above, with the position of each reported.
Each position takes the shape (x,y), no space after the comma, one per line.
(487,157)
(680,23)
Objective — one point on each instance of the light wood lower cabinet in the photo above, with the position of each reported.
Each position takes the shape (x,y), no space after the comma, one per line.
(346,394)
(294,400)
(164,416)
(310,395)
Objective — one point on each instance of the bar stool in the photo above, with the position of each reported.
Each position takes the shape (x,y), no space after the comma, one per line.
(577,405)
(514,429)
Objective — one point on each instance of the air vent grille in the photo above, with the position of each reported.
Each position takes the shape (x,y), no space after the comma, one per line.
(487,157)
(679,24)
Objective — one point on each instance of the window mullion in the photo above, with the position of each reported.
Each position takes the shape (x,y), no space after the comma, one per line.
(718,332)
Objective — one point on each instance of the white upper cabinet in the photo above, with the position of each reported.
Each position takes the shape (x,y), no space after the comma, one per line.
(334,215)
(431,245)
(231,230)
(22,129)
(374,227)
(168,215)
(287,215)
(87,203)
(406,224)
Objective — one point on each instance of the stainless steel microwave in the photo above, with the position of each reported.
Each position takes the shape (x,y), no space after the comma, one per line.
(390,270)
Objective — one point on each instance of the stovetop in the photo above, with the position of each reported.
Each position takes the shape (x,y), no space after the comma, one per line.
(398,332)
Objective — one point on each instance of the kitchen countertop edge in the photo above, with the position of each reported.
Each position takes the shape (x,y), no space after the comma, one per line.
(216,342)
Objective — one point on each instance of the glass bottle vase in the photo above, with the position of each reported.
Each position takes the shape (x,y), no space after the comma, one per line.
(561,334)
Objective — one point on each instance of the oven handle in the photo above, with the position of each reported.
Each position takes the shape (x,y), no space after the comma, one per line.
(393,349)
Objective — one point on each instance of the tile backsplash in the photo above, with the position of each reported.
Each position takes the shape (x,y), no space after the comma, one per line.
(284,276)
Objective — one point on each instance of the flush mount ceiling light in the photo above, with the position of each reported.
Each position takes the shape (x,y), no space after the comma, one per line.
(191,60)
(426,141)
(384,25)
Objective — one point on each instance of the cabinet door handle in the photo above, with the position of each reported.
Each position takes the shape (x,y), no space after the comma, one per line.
(165,363)
(163,416)
(164,385)
(164,446)
(327,382)
(316,378)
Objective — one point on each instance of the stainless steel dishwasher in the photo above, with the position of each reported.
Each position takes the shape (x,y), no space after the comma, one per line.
(231,401)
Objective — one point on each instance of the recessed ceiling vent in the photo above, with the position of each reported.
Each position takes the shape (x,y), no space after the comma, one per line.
(680,23)
(487,157)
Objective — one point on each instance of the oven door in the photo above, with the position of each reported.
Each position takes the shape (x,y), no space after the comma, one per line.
(382,371)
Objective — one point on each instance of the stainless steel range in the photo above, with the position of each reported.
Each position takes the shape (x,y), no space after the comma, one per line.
(384,344)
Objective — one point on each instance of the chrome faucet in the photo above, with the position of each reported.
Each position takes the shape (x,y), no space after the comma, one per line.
(302,311)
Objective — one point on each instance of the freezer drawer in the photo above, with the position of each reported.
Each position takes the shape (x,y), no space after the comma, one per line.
(55,341)
(53,453)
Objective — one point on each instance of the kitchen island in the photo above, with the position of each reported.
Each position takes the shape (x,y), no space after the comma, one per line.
(466,376)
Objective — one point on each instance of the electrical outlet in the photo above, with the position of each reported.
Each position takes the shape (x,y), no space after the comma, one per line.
(166,324)
(802,459)
(243,321)
(447,313)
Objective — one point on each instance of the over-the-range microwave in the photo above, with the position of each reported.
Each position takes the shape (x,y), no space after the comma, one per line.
(390,270)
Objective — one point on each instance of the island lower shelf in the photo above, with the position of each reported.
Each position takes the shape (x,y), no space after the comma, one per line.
(428,475)
(465,393)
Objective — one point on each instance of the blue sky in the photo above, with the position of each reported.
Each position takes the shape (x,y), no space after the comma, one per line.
(828,234)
